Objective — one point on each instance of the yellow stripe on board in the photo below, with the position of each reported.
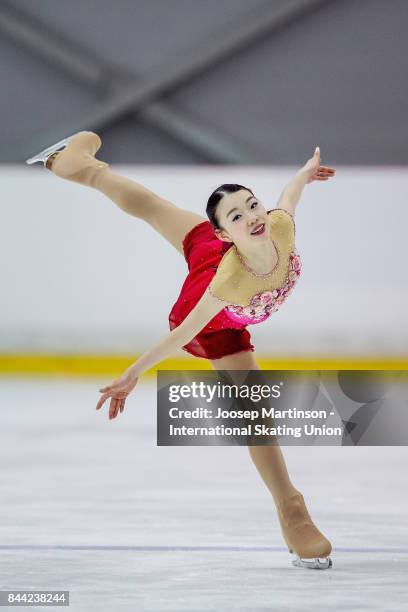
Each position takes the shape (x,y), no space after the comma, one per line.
(114,365)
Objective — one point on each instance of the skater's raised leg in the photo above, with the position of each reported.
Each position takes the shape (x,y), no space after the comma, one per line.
(172,222)
(76,162)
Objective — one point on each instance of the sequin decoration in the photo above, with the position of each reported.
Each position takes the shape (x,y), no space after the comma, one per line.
(264,304)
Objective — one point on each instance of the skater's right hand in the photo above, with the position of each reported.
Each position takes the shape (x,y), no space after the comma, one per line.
(118,392)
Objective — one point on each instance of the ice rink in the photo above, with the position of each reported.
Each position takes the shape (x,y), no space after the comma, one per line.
(94,507)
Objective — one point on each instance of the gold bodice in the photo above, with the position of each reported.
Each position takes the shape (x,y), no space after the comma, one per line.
(234,283)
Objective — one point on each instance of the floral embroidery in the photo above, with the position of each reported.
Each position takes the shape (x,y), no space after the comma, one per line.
(263,304)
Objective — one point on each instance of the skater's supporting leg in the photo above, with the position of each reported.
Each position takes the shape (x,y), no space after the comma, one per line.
(271,466)
(268,460)
(300,533)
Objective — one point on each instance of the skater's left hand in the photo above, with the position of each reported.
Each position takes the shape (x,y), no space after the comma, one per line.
(313,171)
(118,391)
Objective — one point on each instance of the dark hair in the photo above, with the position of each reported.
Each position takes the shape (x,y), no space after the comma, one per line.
(217,196)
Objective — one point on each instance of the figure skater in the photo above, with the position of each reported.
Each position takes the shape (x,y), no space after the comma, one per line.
(242,265)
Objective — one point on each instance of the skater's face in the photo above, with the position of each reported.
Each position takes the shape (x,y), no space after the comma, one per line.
(243,219)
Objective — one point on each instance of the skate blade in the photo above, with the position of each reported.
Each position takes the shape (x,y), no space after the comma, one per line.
(320,564)
(43,155)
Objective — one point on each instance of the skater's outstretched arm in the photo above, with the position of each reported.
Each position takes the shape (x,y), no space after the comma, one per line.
(311,171)
(197,319)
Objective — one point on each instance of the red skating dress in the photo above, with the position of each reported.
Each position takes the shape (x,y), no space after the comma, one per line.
(217,265)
